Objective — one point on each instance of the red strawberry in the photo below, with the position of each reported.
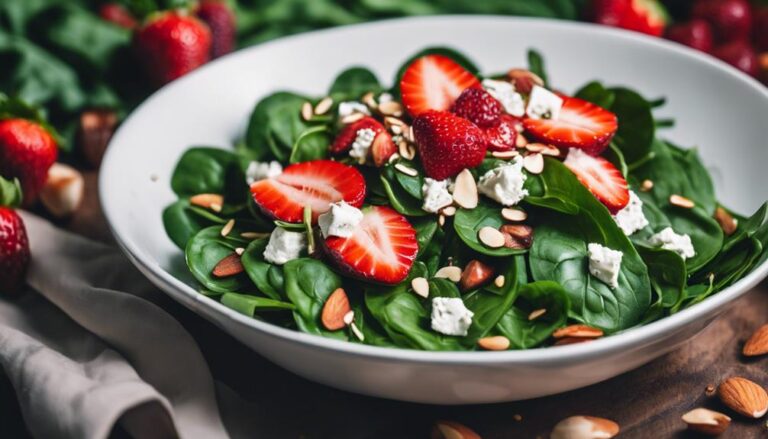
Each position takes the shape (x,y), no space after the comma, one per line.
(171,45)
(581,124)
(600,177)
(740,55)
(730,19)
(220,18)
(433,82)
(448,143)
(696,33)
(502,137)
(27,150)
(346,137)
(478,106)
(14,251)
(645,16)
(609,12)
(382,248)
(760,28)
(117,14)
(317,183)
(382,149)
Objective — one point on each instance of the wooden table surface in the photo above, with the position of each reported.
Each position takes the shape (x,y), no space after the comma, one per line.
(647,402)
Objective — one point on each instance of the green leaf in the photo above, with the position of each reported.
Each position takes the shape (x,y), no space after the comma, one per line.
(308,283)
(203,170)
(248,304)
(267,277)
(536,65)
(354,83)
(636,125)
(524,333)
(667,273)
(182,222)
(596,93)
(10,192)
(206,249)
(411,184)
(312,144)
(399,198)
(274,126)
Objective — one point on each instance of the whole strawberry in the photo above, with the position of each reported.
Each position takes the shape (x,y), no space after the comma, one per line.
(448,143)
(14,251)
(478,106)
(696,33)
(171,45)
(118,15)
(27,151)
(730,19)
(221,20)
(739,54)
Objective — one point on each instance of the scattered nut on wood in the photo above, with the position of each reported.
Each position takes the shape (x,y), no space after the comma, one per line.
(94,132)
(474,275)
(63,191)
(335,309)
(578,331)
(450,272)
(452,430)
(494,343)
(757,344)
(229,266)
(420,286)
(465,190)
(744,397)
(585,427)
(727,222)
(706,421)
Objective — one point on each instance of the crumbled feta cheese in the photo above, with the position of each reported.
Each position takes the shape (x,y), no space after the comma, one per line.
(362,144)
(261,170)
(340,220)
(505,183)
(450,316)
(504,92)
(284,246)
(631,218)
(543,104)
(604,264)
(385,97)
(669,240)
(436,195)
(351,107)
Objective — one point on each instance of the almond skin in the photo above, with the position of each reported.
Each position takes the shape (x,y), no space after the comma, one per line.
(578,331)
(585,427)
(726,221)
(334,310)
(452,430)
(229,266)
(744,397)
(475,274)
(494,343)
(757,343)
(707,421)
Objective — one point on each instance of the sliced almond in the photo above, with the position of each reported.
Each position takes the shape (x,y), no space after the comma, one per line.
(324,105)
(536,313)
(396,129)
(512,214)
(229,266)
(391,121)
(452,430)
(520,141)
(216,207)
(505,154)
(517,236)
(448,211)
(62,193)
(349,317)
(335,309)
(499,281)
(420,286)
(707,421)
(578,331)
(744,397)
(407,170)
(441,220)
(406,150)
(494,343)
(451,273)
(474,275)
(585,427)
(391,108)
(491,237)
(206,201)
(306,111)
(543,149)
(534,163)
(726,221)
(524,80)
(227,229)
(358,333)
(369,100)
(646,185)
(352,118)
(254,235)
(681,201)
(465,190)
(239,251)
(757,343)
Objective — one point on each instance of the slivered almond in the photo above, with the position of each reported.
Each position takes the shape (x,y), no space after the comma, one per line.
(706,421)
(390,121)
(452,430)
(420,286)
(494,343)
(534,163)
(349,317)
(543,149)
(465,190)
(227,228)
(524,80)
(474,275)
(358,333)
(391,108)
(646,185)
(441,220)
(726,221)
(578,331)
(585,427)
(681,201)
(216,207)
(517,236)
(393,158)
(448,211)
(505,154)
(744,397)
(239,251)
(254,235)
(324,105)
(406,151)
(491,237)
(335,309)
(207,201)
(757,343)
(306,111)
(352,118)
(407,170)
(520,141)
(512,214)
(499,280)
(369,100)
(536,313)
(451,273)
(229,266)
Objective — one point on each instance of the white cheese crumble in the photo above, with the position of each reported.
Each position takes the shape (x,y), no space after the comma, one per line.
(631,218)
(669,240)
(450,316)
(351,107)
(340,220)
(362,144)
(504,92)
(436,194)
(505,183)
(262,170)
(604,263)
(543,104)
(284,246)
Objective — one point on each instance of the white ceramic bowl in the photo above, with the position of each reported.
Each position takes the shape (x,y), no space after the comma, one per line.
(715,106)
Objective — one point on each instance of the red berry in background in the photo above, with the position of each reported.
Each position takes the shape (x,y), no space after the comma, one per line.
(645,16)
(478,106)
(739,54)
(14,251)
(171,45)
(696,34)
(27,151)
(760,28)
(609,12)
(762,63)
(730,19)
(220,18)
(448,143)
(117,14)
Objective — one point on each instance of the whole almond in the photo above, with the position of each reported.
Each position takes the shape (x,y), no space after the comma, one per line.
(465,190)
(578,331)
(726,221)
(229,266)
(744,397)
(475,274)
(207,201)
(757,343)
(707,421)
(63,190)
(494,343)
(452,430)
(517,236)
(334,310)
(585,427)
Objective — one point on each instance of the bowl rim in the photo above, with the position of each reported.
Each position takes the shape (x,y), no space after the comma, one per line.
(631,338)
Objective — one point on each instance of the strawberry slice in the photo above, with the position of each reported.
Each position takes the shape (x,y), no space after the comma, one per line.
(346,137)
(502,137)
(581,124)
(381,249)
(382,149)
(317,183)
(434,82)
(601,178)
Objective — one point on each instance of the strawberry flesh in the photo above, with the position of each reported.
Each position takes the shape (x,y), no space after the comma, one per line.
(502,137)
(381,249)
(347,135)
(14,251)
(433,82)
(382,149)
(479,107)
(448,143)
(27,151)
(601,178)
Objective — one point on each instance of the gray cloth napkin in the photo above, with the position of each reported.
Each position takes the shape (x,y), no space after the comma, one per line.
(97,352)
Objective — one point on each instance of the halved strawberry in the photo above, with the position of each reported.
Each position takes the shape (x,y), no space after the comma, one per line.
(382,149)
(381,249)
(433,82)
(502,137)
(346,137)
(448,144)
(581,124)
(601,178)
(317,183)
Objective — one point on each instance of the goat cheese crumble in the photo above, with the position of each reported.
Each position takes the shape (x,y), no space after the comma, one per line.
(669,240)
(505,183)
(351,107)
(362,144)
(450,316)
(631,218)
(543,104)
(262,170)
(340,220)
(605,263)
(436,194)
(504,92)
(284,246)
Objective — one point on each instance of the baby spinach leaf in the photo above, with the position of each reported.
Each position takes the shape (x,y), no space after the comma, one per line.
(667,273)
(524,333)
(748,227)
(10,192)
(636,126)
(248,304)
(353,83)
(550,194)
(439,287)
(411,184)
(205,250)
(267,277)
(400,200)
(468,222)
(536,65)
(425,230)
(312,144)
(596,93)
(308,283)
(209,170)
(616,157)
(182,222)
(275,123)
